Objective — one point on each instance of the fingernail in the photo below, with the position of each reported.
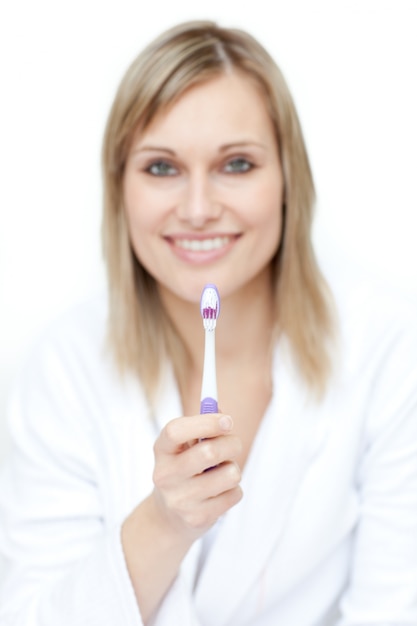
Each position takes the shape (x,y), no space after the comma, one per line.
(226,422)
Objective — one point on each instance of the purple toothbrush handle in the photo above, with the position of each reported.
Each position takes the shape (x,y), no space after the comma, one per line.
(208,405)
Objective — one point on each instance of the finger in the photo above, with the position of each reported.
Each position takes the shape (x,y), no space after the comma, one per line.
(202,517)
(195,460)
(220,479)
(175,435)
(209,453)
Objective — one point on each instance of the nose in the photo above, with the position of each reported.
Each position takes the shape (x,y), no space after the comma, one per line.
(198,204)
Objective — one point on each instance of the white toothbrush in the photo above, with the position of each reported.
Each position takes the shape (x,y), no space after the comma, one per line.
(210,309)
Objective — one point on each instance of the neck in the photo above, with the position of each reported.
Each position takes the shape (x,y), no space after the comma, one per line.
(243,331)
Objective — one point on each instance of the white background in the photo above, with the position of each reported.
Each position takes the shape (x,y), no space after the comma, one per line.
(352,67)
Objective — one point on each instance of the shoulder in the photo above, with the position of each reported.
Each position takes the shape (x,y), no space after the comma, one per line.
(377,358)
(76,339)
(371,313)
(82,327)
(69,386)
(68,361)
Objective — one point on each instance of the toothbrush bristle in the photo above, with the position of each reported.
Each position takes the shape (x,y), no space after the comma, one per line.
(210,306)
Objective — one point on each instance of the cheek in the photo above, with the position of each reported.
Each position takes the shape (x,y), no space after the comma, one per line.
(272,231)
(267,220)
(138,221)
(140,213)
(264,207)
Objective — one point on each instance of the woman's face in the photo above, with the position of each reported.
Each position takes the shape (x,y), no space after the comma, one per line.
(203,190)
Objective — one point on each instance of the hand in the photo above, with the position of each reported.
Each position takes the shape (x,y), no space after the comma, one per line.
(190,498)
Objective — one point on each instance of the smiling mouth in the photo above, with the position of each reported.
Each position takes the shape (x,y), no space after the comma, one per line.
(203,245)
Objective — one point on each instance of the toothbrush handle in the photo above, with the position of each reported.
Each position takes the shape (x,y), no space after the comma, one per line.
(208,398)
(208,405)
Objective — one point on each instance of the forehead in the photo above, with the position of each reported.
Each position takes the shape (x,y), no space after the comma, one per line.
(230,103)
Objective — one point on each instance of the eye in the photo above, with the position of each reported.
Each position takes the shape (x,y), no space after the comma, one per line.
(239,165)
(161,168)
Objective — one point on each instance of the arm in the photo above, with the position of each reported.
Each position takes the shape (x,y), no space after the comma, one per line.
(65,560)
(186,501)
(383,584)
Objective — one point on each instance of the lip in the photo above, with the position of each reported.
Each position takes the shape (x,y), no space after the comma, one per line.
(201,248)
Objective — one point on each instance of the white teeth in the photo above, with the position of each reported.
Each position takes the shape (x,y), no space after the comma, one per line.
(202,245)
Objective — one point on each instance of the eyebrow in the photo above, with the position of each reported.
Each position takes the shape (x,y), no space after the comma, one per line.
(223,148)
(153,149)
(242,144)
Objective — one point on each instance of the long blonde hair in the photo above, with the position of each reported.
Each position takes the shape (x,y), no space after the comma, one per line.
(139,331)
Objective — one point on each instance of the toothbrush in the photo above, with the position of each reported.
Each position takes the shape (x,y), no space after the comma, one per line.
(210,309)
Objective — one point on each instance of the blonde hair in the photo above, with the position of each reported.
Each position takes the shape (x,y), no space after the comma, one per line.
(139,331)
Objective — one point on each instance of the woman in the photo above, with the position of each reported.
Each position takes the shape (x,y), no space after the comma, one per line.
(308,513)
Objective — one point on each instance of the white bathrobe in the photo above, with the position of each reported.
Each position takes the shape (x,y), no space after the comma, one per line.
(325,534)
